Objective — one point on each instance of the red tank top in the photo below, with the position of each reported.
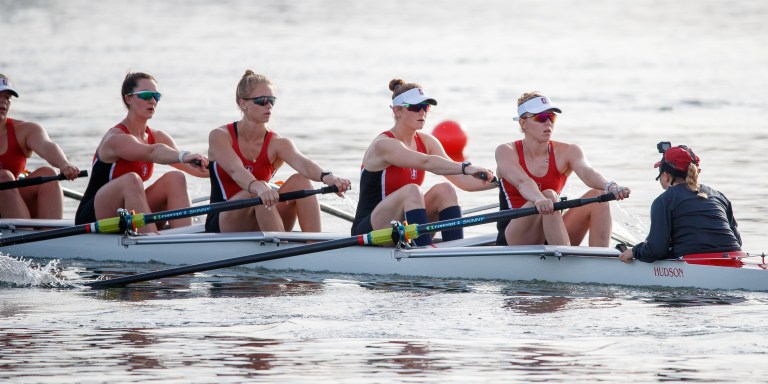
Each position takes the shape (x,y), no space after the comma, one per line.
(553,179)
(121,167)
(14,159)
(261,168)
(394,178)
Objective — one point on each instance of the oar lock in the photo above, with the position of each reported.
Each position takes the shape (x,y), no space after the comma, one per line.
(126,223)
(399,236)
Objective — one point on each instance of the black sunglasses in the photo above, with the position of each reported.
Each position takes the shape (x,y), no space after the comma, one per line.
(263,100)
(418,107)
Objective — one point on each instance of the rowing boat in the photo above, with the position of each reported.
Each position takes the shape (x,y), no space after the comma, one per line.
(471,258)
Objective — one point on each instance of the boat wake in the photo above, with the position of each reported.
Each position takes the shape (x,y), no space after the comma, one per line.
(18,272)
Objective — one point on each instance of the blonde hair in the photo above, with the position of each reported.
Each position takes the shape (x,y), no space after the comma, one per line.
(527,96)
(249,81)
(692,180)
(522,99)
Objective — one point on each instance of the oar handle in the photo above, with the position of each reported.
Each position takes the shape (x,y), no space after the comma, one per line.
(308,192)
(26,182)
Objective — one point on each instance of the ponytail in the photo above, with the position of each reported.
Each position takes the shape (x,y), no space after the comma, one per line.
(692,180)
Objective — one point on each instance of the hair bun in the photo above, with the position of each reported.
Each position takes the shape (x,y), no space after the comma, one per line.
(394,83)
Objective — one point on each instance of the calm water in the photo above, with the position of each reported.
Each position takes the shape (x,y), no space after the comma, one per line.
(626,76)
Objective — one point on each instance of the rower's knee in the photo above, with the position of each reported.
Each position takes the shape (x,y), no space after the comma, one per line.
(298,181)
(130,183)
(45,171)
(446,193)
(175,181)
(6,175)
(413,192)
(551,194)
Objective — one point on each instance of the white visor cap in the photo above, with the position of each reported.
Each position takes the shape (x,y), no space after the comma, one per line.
(5,85)
(412,96)
(536,105)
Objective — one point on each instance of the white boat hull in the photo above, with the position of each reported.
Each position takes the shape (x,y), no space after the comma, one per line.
(460,259)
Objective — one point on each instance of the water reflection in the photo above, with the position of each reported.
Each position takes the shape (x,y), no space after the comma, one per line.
(535,305)
(192,286)
(405,357)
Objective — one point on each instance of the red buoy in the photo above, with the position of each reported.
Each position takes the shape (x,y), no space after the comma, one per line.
(452,137)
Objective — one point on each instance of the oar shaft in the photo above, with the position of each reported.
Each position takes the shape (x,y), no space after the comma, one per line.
(45,235)
(26,182)
(469,221)
(187,269)
(230,205)
(113,224)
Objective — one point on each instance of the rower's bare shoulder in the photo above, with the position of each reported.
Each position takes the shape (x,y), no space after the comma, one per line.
(567,149)
(161,136)
(506,149)
(26,127)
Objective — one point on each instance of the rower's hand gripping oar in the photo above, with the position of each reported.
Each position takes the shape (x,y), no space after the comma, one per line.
(28,181)
(127,221)
(388,236)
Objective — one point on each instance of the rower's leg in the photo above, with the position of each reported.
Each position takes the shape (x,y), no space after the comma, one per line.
(170,192)
(126,191)
(538,228)
(595,218)
(306,210)
(45,201)
(394,206)
(257,218)
(12,205)
(442,203)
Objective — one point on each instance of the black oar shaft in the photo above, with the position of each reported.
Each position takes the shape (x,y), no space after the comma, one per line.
(44,235)
(26,182)
(505,215)
(113,225)
(230,205)
(187,269)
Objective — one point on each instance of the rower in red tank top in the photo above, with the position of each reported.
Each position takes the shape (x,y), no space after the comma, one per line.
(246,154)
(521,188)
(510,197)
(142,168)
(222,185)
(394,168)
(124,160)
(13,159)
(18,140)
(394,177)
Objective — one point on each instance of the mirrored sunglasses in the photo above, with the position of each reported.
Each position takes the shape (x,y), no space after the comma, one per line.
(146,95)
(543,117)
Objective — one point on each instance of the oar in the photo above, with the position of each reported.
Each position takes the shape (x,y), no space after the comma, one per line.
(386,236)
(119,224)
(27,181)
